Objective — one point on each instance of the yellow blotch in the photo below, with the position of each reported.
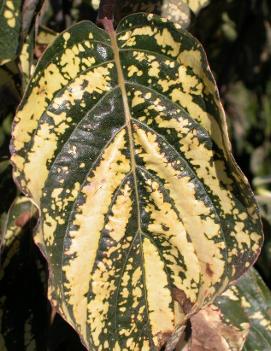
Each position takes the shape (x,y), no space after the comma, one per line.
(49,227)
(132,70)
(154,69)
(142,56)
(66,36)
(159,298)
(180,125)
(245,303)
(121,212)
(137,98)
(89,222)
(262,320)
(165,39)
(146,30)
(8,14)
(136,276)
(231,294)
(129,37)
(117,347)
(241,236)
(10,4)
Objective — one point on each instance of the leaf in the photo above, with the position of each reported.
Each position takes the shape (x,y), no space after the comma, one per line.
(10,25)
(30,10)
(178,11)
(251,295)
(211,332)
(145,215)
(23,304)
(26,58)
(45,37)
(17,19)
(238,320)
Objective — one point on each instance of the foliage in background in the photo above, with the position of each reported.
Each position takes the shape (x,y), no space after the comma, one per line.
(237,37)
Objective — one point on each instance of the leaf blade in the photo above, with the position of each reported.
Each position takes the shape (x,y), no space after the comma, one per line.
(137,169)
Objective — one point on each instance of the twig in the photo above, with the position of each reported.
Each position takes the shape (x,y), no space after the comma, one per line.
(106,14)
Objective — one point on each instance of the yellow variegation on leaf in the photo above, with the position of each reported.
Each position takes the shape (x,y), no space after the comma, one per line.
(177,11)
(121,141)
(10,26)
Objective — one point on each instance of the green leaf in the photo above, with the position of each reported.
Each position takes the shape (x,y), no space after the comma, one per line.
(17,20)
(23,303)
(10,26)
(121,141)
(250,300)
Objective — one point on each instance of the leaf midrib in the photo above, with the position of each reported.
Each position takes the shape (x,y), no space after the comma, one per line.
(128,118)
(128,124)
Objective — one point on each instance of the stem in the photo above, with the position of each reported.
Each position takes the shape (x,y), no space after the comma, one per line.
(106,14)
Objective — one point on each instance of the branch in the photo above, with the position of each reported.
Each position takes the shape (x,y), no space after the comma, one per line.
(106,14)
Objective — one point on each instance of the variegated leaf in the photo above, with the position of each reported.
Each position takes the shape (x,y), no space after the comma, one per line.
(44,38)
(178,11)
(10,26)
(121,140)
(250,300)
(23,303)
(26,58)
(17,19)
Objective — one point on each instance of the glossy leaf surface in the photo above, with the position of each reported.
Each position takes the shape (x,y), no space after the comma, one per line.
(121,140)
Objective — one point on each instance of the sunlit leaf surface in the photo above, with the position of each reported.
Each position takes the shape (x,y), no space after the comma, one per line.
(121,140)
